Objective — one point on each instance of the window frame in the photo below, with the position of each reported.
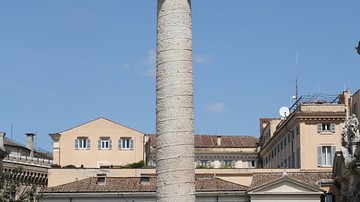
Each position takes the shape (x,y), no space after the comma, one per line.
(326,128)
(104,143)
(126,143)
(326,155)
(82,143)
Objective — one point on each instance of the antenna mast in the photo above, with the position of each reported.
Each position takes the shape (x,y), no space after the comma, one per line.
(296,79)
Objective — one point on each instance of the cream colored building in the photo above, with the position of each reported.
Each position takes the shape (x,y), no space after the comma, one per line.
(98,143)
(216,151)
(308,136)
(355,104)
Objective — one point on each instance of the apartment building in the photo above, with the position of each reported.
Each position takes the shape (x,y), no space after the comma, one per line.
(355,104)
(217,151)
(98,143)
(308,136)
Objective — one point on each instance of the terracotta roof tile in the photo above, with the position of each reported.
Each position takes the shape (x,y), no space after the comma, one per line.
(210,141)
(311,178)
(133,184)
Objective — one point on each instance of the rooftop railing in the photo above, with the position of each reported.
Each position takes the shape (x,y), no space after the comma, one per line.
(17,158)
(318,98)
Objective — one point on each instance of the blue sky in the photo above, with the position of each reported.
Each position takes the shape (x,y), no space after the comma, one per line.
(63,63)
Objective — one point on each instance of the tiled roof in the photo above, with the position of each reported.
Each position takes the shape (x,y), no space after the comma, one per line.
(310,178)
(8,142)
(210,141)
(133,184)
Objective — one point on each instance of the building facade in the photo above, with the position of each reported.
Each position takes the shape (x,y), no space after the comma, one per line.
(216,151)
(98,143)
(308,137)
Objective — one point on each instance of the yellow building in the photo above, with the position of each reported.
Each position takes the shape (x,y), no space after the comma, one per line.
(98,143)
(308,136)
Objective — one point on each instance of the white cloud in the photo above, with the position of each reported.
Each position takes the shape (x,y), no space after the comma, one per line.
(202,59)
(215,108)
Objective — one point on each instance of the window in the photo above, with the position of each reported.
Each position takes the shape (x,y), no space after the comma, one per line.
(326,155)
(204,164)
(152,163)
(104,143)
(297,130)
(82,143)
(325,127)
(285,142)
(289,137)
(227,164)
(354,109)
(298,161)
(328,197)
(126,143)
(251,164)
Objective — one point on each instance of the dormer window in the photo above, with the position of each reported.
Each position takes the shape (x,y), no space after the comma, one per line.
(101,179)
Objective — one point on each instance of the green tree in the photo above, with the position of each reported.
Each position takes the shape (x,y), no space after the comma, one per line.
(13,188)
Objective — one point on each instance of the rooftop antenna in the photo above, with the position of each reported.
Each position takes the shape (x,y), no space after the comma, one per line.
(284,112)
(11,131)
(296,79)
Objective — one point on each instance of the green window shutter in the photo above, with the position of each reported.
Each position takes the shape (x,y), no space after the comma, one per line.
(319,127)
(319,156)
(87,143)
(131,142)
(110,144)
(332,127)
(99,144)
(76,143)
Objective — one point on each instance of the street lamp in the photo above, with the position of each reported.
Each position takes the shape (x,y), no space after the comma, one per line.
(358,48)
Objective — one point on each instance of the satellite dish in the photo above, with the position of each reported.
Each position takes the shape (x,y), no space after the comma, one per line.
(284,112)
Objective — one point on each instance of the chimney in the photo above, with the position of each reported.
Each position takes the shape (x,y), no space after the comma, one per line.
(218,140)
(30,142)
(2,146)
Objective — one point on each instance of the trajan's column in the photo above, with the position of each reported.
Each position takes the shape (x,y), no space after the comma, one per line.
(175,167)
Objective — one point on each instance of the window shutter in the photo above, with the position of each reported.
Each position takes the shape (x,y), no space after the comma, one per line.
(222,163)
(99,144)
(319,127)
(319,159)
(131,141)
(76,143)
(332,127)
(333,150)
(110,144)
(87,143)
(232,164)
(198,163)
(119,144)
